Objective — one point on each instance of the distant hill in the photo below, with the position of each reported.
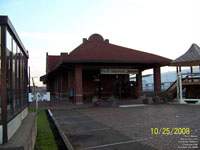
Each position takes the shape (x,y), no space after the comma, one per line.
(167,78)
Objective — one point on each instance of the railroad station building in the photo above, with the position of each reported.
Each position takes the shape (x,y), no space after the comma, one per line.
(98,68)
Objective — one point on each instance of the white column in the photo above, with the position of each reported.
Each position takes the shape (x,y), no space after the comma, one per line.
(181,100)
(180,87)
(177,85)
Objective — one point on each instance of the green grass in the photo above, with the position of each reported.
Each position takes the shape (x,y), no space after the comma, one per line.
(45,139)
(31,109)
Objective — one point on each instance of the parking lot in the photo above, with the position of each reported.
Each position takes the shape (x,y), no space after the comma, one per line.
(143,127)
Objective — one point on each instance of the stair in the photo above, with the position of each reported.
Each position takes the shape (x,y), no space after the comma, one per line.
(173,88)
(189,80)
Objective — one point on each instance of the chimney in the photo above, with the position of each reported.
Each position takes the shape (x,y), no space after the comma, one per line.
(47,69)
(63,54)
(106,40)
(84,40)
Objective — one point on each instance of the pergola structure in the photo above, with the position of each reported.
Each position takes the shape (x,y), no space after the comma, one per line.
(99,68)
(189,59)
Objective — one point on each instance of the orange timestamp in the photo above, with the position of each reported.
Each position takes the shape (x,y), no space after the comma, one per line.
(170,131)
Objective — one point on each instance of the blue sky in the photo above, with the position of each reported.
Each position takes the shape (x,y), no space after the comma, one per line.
(163,27)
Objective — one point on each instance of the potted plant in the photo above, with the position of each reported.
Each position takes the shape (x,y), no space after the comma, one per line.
(96,101)
(167,97)
(112,101)
(144,99)
(156,99)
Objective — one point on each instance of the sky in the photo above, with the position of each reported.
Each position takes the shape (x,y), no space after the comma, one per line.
(163,27)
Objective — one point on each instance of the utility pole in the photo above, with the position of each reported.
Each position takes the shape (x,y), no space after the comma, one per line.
(34,95)
(29,79)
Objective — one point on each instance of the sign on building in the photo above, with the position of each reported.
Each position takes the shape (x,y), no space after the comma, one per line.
(119,71)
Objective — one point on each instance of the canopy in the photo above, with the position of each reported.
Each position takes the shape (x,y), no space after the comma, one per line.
(190,58)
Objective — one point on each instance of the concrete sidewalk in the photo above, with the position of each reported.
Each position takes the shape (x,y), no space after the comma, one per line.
(86,133)
(25,137)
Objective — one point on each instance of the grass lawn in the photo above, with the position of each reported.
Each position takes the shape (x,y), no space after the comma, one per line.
(45,139)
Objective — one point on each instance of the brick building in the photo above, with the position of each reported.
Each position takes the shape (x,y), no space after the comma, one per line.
(99,68)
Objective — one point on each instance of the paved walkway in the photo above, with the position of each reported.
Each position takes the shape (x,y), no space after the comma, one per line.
(114,128)
(86,133)
(64,104)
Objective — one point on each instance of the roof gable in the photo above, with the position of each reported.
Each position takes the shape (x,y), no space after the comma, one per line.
(192,55)
(52,62)
(98,49)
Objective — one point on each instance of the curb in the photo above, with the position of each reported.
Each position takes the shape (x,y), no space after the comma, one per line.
(65,139)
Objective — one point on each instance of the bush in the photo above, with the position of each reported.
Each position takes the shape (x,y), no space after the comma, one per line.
(96,101)
(156,99)
(144,99)
(167,97)
(112,101)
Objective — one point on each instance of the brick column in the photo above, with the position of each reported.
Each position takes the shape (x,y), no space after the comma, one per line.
(70,80)
(70,83)
(78,91)
(139,82)
(157,78)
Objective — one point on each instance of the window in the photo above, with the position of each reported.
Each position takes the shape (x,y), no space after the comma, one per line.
(15,77)
(0,73)
(9,73)
(14,85)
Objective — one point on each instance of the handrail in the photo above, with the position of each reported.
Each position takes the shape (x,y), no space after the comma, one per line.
(190,77)
(171,85)
(174,83)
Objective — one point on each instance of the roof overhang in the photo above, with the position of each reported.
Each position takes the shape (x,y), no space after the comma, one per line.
(186,64)
(43,78)
(117,62)
(4,20)
(139,65)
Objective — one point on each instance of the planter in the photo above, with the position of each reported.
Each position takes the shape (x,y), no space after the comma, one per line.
(156,99)
(112,103)
(98,103)
(167,97)
(145,101)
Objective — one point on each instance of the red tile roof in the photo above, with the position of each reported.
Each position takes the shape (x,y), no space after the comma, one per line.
(52,62)
(96,49)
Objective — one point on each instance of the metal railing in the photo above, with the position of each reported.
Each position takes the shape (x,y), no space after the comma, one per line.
(194,77)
